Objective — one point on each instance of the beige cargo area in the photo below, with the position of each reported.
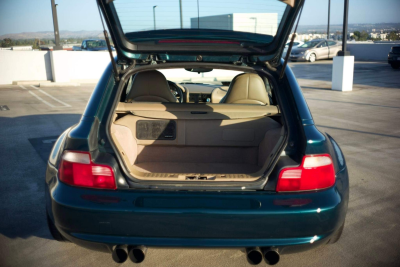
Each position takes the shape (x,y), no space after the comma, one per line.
(203,141)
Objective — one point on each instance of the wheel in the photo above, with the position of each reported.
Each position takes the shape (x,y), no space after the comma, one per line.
(395,66)
(54,231)
(336,236)
(312,58)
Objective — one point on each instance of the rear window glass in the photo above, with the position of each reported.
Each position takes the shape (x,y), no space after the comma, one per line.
(259,17)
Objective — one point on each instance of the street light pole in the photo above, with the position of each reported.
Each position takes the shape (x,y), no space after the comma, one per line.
(55,22)
(329,17)
(180,9)
(344,34)
(154,16)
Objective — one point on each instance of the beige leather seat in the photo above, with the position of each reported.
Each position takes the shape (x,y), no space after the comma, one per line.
(246,88)
(150,86)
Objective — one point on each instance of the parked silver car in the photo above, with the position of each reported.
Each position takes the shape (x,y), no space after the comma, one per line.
(315,50)
(295,44)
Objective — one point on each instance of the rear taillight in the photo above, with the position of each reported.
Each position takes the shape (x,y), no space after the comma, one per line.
(77,168)
(315,172)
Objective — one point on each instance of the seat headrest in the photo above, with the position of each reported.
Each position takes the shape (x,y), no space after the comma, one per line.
(150,86)
(247,88)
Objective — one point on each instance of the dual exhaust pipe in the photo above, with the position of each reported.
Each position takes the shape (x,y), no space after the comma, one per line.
(137,254)
(255,255)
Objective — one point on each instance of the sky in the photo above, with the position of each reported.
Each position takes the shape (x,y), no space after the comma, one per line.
(18,16)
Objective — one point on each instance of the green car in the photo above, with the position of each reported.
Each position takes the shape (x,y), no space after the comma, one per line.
(197,136)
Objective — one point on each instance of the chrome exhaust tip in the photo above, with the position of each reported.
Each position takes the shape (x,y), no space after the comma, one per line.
(254,256)
(137,254)
(120,254)
(271,256)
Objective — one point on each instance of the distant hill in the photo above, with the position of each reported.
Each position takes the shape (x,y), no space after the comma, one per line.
(351,27)
(50,35)
(301,29)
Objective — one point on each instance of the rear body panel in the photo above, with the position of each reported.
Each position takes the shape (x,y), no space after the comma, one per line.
(196,219)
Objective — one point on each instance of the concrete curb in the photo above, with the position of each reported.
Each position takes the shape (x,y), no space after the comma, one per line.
(66,84)
(30,82)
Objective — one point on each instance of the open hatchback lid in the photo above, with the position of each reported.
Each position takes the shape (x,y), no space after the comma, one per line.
(200,30)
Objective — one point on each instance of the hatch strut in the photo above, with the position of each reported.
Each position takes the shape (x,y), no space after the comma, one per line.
(290,46)
(113,63)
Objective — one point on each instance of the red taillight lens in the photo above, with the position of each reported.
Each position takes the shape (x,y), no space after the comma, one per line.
(77,169)
(315,172)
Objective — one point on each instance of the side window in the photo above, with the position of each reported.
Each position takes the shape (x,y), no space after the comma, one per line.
(323,44)
(331,43)
(84,44)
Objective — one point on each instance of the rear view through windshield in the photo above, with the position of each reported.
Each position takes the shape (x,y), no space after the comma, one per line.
(261,17)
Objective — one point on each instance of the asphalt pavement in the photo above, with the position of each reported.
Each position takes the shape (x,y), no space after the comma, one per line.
(365,123)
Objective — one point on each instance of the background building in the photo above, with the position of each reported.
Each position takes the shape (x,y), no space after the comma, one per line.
(262,23)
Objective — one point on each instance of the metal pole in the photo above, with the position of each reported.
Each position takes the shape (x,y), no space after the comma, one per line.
(56,31)
(344,34)
(329,17)
(154,16)
(180,9)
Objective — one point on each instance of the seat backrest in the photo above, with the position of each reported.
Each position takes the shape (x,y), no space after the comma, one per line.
(247,88)
(150,86)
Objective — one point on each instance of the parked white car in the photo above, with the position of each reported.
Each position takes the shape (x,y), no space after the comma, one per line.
(295,44)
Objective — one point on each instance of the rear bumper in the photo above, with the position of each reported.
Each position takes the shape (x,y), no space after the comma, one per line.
(100,219)
(298,57)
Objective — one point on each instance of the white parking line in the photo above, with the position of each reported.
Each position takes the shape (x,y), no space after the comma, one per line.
(41,99)
(52,97)
(38,97)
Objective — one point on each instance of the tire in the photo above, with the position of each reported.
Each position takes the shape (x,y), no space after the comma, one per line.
(336,236)
(54,231)
(312,58)
(395,66)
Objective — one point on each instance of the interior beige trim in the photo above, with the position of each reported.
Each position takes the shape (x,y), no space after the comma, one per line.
(222,150)
(150,86)
(190,111)
(125,142)
(218,93)
(247,88)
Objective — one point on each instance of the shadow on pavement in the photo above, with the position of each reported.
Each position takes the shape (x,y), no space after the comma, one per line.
(25,144)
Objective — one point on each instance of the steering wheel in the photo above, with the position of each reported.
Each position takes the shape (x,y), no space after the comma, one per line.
(176,91)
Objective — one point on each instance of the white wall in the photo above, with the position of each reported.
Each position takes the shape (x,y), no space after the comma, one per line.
(24,66)
(369,51)
(87,66)
(80,66)
(73,66)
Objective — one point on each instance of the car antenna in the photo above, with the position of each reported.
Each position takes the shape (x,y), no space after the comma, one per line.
(290,46)
(113,63)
